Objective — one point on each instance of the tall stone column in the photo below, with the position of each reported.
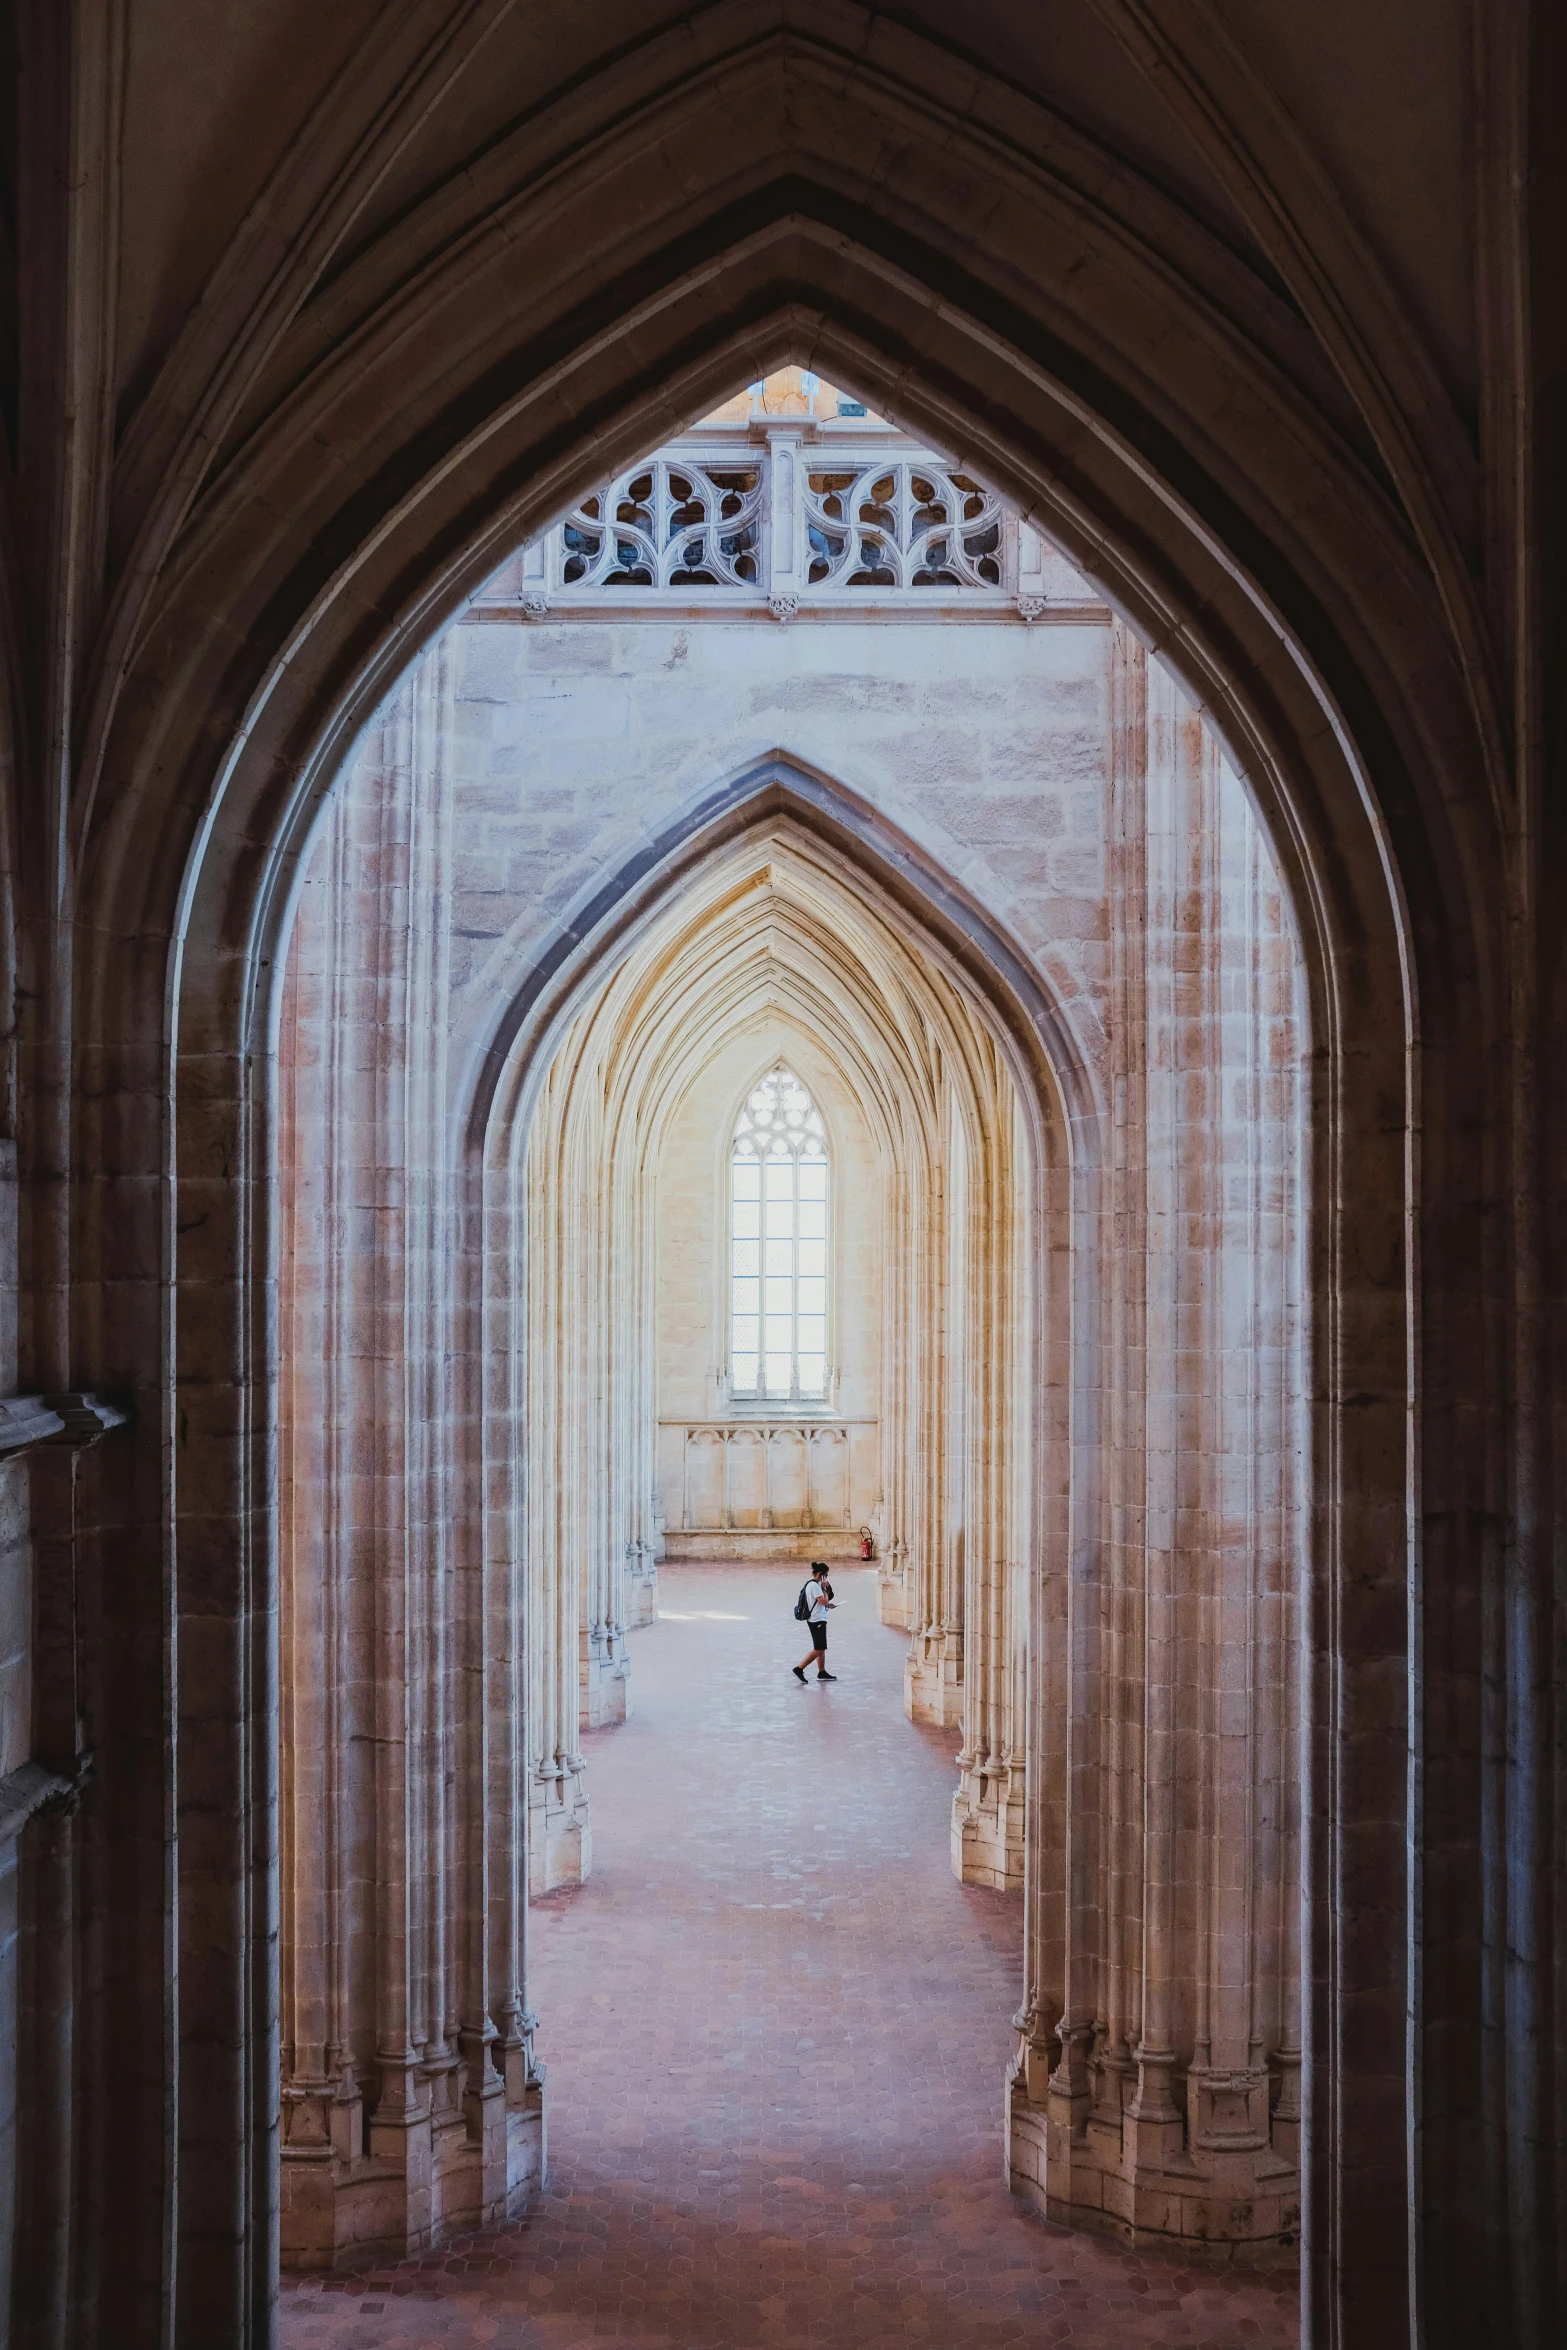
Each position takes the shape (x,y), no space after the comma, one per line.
(403,2118)
(992,1396)
(897,1580)
(920,1418)
(1157,2090)
(558,1310)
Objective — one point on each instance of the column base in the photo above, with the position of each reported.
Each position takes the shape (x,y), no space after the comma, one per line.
(892,1594)
(1081,2163)
(342,2207)
(933,1680)
(560,1833)
(605,1681)
(641,1589)
(988,1827)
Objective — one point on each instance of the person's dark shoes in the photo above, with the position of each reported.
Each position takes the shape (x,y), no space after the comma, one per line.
(826,1676)
(799,1674)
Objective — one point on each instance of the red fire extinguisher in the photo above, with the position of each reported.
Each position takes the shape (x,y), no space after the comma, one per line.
(867,1546)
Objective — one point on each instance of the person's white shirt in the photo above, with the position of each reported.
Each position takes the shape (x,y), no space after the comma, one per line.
(817,1598)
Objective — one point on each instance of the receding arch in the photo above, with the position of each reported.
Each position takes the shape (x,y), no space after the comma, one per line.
(782,790)
(605,1023)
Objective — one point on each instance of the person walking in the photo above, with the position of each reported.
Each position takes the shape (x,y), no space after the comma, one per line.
(818,1598)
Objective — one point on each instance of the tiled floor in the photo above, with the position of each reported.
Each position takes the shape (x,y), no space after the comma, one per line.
(776,2032)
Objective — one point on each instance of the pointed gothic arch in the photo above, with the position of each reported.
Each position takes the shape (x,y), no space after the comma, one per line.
(775,806)
(274,642)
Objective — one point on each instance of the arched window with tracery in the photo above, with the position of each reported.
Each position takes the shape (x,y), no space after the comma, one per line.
(778,1245)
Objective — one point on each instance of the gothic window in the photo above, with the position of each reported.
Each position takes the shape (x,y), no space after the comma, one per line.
(778,1245)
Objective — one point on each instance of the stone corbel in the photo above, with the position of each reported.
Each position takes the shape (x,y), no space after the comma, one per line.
(25,1421)
(71,1422)
(83,1418)
(33,1788)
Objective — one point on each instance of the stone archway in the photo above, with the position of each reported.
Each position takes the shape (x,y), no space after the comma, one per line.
(275,640)
(784,883)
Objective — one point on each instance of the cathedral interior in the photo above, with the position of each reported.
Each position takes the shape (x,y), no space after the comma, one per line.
(781,786)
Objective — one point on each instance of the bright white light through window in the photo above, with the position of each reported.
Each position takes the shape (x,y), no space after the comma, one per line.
(778,1244)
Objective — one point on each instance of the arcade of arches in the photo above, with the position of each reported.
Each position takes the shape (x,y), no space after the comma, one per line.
(619,963)
(985,1279)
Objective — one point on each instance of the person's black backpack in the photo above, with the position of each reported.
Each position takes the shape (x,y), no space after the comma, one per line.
(802,1606)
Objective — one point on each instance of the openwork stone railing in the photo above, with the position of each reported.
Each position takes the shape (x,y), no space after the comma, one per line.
(667,525)
(785,518)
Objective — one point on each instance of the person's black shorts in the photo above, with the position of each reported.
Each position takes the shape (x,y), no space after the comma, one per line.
(818,1636)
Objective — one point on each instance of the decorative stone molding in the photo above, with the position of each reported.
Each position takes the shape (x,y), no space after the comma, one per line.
(560,1827)
(783,608)
(74,1421)
(905,524)
(671,522)
(84,1418)
(933,1676)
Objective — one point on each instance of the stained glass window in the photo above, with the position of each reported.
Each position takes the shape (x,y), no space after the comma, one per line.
(778,1244)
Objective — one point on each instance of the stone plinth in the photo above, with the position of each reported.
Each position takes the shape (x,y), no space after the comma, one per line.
(892,1594)
(606,1678)
(353,2193)
(560,1836)
(989,1826)
(1096,2162)
(933,1679)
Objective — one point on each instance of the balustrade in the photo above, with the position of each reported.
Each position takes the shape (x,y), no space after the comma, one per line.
(786,518)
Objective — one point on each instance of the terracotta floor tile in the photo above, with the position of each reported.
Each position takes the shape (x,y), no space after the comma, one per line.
(776,2032)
